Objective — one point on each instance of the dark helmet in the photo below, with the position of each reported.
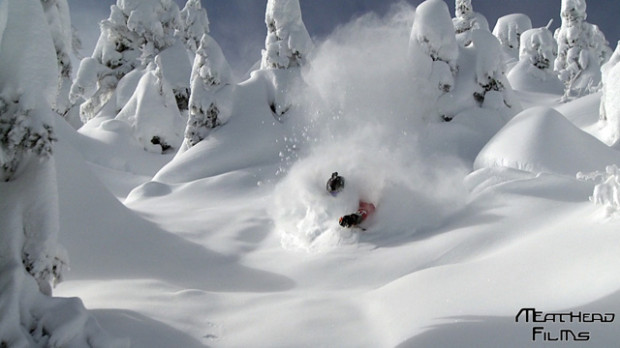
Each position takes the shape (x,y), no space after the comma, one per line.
(335,184)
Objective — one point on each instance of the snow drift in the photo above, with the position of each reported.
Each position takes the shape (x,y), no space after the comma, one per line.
(548,142)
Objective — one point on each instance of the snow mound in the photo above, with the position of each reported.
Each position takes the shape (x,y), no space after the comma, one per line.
(543,140)
(111,144)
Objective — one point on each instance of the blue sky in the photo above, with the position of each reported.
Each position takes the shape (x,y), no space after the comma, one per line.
(238,25)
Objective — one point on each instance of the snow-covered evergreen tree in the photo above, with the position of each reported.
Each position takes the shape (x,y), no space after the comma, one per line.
(59,20)
(135,32)
(493,88)
(508,30)
(534,72)
(433,49)
(610,101)
(211,97)
(152,112)
(25,126)
(195,24)
(582,49)
(466,19)
(462,77)
(176,68)
(31,259)
(288,43)
(287,47)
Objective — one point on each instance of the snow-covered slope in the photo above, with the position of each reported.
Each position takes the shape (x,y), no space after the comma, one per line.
(234,242)
(520,241)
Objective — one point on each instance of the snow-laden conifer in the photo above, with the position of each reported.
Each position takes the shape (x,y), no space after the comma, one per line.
(462,77)
(288,43)
(287,47)
(493,88)
(28,86)
(508,30)
(176,68)
(152,112)
(582,49)
(59,20)
(135,32)
(466,19)
(433,49)
(210,103)
(534,71)
(195,24)
(31,260)
(609,111)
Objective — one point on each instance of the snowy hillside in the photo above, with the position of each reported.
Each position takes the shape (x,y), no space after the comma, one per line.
(192,209)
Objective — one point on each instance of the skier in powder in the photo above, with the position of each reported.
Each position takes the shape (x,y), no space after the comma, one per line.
(335,185)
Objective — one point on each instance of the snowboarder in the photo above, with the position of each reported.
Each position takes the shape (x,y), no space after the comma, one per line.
(335,185)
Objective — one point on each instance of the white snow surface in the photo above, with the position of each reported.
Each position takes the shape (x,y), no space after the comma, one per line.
(235,243)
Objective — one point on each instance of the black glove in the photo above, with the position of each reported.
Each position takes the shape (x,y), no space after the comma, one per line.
(350,220)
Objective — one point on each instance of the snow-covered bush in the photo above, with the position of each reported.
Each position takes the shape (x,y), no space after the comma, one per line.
(609,112)
(508,30)
(31,259)
(465,20)
(433,49)
(195,24)
(607,190)
(287,47)
(135,32)
(534,72)
(582,49)
(152,112)
(211,98)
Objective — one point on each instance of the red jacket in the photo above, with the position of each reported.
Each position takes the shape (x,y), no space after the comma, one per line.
(365,209)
